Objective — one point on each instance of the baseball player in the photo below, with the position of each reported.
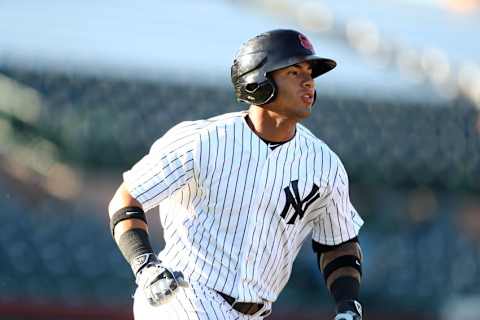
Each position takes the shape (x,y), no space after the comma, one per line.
(238,195)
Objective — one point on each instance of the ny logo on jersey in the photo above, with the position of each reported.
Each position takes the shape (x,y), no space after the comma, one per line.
(299,205)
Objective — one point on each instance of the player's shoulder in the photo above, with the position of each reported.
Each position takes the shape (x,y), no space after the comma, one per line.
(218,123)
(311,138)
(319,145)
(196,126)
(192,130)
(225,119)
(183,133)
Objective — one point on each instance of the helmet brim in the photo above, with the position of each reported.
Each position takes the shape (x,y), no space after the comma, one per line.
(320,65)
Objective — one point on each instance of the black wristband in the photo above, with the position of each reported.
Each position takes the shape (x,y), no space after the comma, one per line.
(136,248)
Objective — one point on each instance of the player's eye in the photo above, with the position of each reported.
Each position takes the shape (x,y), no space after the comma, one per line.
(293,72)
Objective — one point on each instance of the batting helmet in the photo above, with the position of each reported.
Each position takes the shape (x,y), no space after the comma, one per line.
(268,52)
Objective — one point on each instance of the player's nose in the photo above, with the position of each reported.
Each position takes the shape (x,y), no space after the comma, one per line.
(308,82)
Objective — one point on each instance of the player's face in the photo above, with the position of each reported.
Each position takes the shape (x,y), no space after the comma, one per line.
(296,91)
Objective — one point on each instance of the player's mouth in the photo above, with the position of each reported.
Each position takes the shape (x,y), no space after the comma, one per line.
(307,97)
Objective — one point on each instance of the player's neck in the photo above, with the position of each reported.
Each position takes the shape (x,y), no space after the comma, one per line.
(269,125)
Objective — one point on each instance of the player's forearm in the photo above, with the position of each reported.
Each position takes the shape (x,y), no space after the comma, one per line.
(344,281)
(341,268)
(129,229)
(329,262)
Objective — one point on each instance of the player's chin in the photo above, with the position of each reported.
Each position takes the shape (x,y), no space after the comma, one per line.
(304,112)
(307,107)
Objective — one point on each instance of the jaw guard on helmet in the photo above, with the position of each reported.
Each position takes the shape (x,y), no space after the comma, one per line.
(268,52)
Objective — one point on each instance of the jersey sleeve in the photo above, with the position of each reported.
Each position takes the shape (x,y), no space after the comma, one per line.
(167,167)
(339,221)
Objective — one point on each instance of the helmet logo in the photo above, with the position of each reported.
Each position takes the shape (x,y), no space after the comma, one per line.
(305,42)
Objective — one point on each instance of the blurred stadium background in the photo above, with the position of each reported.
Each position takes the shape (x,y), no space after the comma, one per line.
(86,87)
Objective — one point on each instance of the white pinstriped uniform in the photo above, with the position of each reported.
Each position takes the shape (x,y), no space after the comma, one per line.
(235,212)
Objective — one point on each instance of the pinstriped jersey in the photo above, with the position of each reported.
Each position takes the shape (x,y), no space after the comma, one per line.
(235,213)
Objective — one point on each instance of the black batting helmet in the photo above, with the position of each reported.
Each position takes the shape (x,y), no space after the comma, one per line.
(267,52)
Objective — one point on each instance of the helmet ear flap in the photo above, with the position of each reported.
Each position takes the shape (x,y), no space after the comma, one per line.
(251,87)
(260,93)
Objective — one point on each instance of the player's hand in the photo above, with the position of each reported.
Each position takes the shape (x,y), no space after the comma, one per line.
(158,283)
(349,310)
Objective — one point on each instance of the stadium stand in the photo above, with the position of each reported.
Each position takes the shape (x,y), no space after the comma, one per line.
(412,168)
(418,144)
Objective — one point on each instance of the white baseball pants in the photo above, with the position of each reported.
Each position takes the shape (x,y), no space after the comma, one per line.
(195,302)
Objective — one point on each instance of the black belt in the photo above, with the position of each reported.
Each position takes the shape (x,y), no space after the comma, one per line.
(248,308)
